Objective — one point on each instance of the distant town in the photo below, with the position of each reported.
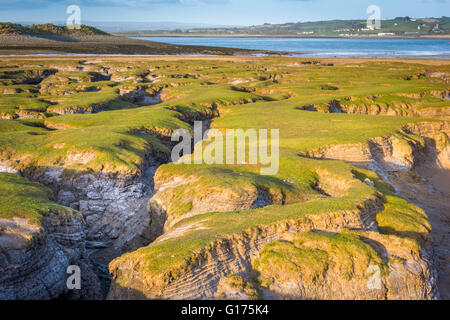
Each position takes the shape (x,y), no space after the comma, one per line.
(400,26)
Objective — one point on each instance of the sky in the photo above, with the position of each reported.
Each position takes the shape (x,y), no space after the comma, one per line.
(217,12)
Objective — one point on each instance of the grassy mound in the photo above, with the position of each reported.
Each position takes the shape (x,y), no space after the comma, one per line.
(22,199)
(8,28)
(238,93)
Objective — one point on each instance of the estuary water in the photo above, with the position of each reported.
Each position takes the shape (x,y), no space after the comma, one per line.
(326,47)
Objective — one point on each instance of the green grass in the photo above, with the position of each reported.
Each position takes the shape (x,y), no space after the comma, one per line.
(237,182)
(115,136)
(399,217)
(84,101)
(284,259)
(310,255)
(235,281)
(268,96)
(173,254)
(22,199)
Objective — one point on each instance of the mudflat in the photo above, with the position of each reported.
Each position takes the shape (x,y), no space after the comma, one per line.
(103,44)
(357,210)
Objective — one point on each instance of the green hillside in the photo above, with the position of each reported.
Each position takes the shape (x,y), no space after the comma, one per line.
(398,26)
(8,28)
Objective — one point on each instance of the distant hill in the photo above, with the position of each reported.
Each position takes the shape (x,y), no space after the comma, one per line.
(123,26)
(50,38)
(401,26)
(8,28)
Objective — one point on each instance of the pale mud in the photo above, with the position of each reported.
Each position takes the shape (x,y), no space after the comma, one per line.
(242,59)
(431,192)
(429,189)
(419,173)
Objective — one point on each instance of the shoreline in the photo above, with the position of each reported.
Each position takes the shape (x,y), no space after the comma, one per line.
(199,35)
(291,56)
(281,55)
(140,46)
(334,60)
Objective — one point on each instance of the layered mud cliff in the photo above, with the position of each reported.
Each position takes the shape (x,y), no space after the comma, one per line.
(357,210)
(36,255)
(335,255)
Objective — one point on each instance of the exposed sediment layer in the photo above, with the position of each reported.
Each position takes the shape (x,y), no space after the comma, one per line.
(417,171)
(34,259)
(113,206)
(172,191)
(114,215)
(370,106)
(230,232)
(413,278)
(400,152)
(408,275)
(227,256)
(396,273)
